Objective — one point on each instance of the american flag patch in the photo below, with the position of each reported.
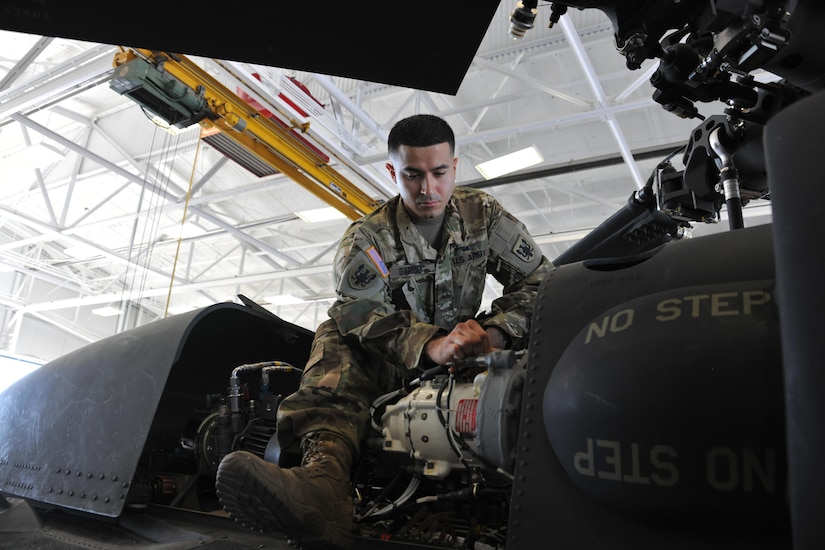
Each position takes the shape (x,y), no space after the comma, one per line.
(379,263)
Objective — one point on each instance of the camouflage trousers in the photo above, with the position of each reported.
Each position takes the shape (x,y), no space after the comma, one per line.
(338,385)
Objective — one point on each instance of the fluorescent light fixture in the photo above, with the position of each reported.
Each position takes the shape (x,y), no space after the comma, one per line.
(183,231)
(13,368)
(82,251)
(174,130)
(283,300)
(39,154)
(177,310)
(509,163)
(320,214)
(562,236)
(106,311)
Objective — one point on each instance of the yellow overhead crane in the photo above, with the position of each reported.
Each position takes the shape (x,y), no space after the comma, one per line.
(179,91)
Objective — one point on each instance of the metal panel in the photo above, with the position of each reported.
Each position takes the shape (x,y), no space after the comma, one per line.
(73,431)
(550,505)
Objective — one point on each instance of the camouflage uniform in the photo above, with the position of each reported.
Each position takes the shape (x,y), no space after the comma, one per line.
(395,293)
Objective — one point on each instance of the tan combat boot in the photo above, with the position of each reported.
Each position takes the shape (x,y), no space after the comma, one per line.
(310,503)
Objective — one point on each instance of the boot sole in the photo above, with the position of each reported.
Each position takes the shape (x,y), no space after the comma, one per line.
(246,490)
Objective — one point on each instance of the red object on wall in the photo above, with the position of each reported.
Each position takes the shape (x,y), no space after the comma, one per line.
(268,114)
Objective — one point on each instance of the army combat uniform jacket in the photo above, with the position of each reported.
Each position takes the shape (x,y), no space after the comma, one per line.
(395,292)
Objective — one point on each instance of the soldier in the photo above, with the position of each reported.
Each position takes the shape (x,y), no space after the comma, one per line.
(409,280)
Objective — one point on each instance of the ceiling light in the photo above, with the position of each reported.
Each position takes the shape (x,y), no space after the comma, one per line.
(38,154)
(106,311)
(177,310)
(320,214)
(283,300)
(13,368)
(186,230)
(81,251)
(174,130)
(510,162)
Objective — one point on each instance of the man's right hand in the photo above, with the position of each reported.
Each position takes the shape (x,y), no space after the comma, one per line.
(467,339)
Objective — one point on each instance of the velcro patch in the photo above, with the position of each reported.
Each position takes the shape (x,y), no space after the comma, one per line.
(523,249)
(362,277)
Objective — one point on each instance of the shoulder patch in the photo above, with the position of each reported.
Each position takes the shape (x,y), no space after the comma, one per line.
(515,246)
(523,254)
(363,276)
(524,249)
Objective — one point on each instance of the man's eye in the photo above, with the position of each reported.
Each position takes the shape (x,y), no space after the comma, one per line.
(411,176)
(440,174)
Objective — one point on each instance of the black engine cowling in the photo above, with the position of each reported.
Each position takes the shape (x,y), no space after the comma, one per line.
(654,397)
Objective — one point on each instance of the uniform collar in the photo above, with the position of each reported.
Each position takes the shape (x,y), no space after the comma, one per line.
(416,248)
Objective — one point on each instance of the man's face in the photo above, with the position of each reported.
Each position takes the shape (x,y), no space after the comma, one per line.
(425,178)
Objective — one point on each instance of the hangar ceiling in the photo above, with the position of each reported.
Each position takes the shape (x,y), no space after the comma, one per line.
(102,206)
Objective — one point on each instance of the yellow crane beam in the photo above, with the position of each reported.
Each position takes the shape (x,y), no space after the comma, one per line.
(256,134)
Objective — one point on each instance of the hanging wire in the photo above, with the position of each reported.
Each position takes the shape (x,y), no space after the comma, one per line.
(152,219)
(129,274)
(150,227)
(182,222)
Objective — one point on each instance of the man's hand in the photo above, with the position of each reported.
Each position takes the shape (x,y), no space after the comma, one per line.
(498,338)
(467,339)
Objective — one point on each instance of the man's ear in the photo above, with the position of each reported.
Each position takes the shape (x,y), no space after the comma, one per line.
(391,170)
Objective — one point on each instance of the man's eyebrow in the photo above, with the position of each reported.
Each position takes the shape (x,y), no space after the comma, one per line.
(414,169)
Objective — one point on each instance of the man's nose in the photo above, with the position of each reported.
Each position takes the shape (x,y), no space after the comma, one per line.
(425,184)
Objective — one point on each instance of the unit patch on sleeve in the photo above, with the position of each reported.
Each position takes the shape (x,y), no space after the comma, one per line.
(523,254)
(363,276)
(524,250)
(516,248)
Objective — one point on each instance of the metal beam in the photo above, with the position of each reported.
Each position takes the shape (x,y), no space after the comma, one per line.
(260,136)
(593,80)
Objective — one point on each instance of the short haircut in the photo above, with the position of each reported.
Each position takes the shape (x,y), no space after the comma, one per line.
(420,131)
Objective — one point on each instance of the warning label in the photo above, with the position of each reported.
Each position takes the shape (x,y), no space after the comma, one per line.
(465,416)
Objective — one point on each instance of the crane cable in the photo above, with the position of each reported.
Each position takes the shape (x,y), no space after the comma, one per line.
(182,222)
